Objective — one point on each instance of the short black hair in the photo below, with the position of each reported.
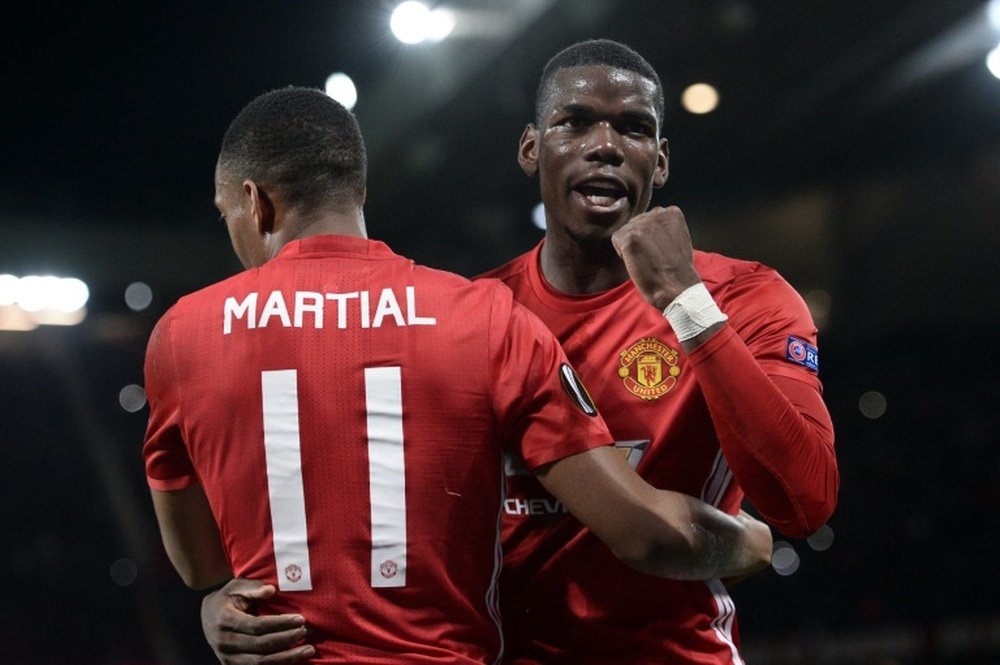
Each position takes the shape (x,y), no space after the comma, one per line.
(301,141)
(604,52)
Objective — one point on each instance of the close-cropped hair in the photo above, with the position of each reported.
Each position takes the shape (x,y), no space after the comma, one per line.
(300,141)
(605,52)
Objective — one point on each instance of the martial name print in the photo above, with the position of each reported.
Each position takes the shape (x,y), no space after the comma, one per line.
(298,309)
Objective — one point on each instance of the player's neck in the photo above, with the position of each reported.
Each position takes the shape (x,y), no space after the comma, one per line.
(296,227)
(581,267)
(342,222)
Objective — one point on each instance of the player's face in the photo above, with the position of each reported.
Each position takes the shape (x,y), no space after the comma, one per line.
(597,151)
(235,205)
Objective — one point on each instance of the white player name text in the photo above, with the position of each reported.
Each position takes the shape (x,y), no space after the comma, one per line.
(366,309)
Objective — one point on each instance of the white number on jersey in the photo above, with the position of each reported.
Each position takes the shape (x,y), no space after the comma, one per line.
(386,477)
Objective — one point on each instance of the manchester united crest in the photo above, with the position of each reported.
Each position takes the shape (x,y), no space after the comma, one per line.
(388,569)
(650,368)
(293,573)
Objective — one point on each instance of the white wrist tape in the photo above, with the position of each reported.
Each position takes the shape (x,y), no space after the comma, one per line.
(693,312)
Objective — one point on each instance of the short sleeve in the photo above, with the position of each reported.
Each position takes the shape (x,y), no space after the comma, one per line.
(542,406)
(168,465)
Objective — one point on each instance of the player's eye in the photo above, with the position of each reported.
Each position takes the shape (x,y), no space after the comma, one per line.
(637,127)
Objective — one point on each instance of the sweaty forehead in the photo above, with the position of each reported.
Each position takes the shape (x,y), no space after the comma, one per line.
(590,83)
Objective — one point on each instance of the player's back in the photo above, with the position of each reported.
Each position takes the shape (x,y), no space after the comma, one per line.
(336,405)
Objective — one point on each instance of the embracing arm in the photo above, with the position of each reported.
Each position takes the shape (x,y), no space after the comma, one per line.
(659,532)
(191,536)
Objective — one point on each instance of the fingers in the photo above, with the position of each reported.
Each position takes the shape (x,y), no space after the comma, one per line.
(263,627)
(656,250)
(270,643)
(297,655)
(252,589)
(666,222)
(269,640)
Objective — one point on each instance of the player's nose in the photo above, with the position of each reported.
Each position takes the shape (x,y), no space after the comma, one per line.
(603,143)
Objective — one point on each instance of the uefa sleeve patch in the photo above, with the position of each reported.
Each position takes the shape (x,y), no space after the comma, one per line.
(802,353)
(574,388)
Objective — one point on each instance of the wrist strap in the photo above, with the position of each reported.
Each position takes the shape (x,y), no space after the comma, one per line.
(693,312)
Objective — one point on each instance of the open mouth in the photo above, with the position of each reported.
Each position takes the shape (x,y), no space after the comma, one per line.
(602,194)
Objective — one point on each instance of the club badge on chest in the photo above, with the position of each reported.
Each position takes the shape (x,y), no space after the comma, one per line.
(649,368)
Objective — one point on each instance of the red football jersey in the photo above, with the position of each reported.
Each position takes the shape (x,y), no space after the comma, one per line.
(347,413)
(566,598)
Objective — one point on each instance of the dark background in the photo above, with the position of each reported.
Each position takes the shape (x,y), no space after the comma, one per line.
(856,149)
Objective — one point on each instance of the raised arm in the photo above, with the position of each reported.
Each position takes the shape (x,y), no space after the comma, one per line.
(658,532)
(774,431)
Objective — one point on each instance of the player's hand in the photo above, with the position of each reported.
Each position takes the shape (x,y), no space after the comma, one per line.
(239,638)
(760,544)
(656,249)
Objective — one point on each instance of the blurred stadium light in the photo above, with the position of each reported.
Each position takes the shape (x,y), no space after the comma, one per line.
(33,300)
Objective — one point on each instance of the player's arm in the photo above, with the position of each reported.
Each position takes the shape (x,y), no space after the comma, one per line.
(187,526)
(191,537)
(775,432)
(658,532)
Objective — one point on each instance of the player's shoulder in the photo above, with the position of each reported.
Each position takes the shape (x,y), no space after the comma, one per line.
(438,277)
(513,270)
(480,298)
(450,281)
(211,294)
(750,290)
(720,271)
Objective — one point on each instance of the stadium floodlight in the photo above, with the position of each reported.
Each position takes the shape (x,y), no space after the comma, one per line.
(442,24)
(340,87)
(32,300)
(414,22)
(993,13)
(993,61)
(8,289)
(70,296)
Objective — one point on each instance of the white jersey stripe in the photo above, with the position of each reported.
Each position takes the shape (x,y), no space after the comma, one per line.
(712,492)
(717,482)
(723,623)
(279,390)
(386,475)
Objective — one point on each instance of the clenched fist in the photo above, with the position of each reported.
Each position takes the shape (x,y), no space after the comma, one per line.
(656,249)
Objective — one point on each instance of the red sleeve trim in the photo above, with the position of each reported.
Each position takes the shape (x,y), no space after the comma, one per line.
(171,484)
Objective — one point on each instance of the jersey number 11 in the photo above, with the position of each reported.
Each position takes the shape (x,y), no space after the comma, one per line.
(386,477)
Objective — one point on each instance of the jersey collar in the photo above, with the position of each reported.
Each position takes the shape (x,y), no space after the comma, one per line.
(334,244)
(569,302)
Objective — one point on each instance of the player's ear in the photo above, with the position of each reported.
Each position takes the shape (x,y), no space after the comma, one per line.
(261,207)
(527,151)
(662,164)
